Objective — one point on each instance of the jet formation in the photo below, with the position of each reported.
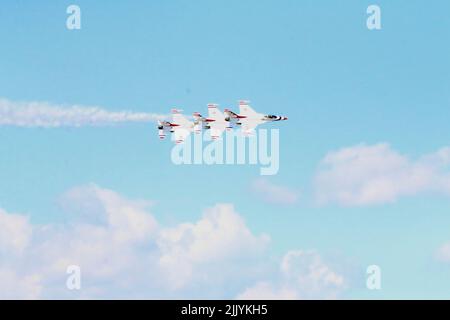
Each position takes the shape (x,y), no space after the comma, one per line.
(216,122)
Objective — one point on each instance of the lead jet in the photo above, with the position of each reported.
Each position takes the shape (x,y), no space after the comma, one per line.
(248,119)
(180,127)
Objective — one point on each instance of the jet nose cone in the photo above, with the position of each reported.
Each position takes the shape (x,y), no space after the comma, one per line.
(285,118)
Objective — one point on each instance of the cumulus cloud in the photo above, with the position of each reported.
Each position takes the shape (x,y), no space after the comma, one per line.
(15,232)
(14,285)
(374,174)
(124,253)
(128,220)
(273,193)
(303,275)
(220,235)
(43,114)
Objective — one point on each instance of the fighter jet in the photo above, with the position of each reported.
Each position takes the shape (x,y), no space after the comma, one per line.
(200,122)
(233,118)
(217,122)
(180,127)
(248,119)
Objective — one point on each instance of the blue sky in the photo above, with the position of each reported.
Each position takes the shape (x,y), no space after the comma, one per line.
(340,84)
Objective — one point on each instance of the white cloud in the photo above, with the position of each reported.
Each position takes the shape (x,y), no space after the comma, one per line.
(13,285)
(273,193)
(266,291)
(15,232)
(220,235)
(308,271)
(127,220)
(363,175)
(303,275)
(443,253)
(125,253)
(103,249)
(43,114)
(15,238)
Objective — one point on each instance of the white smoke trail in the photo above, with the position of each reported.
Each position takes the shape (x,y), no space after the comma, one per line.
(43,114)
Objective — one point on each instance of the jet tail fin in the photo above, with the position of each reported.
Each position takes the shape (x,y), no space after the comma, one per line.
(214,113)
(246,110)
(180,120)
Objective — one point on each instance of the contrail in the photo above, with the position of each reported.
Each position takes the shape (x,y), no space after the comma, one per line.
(46,115)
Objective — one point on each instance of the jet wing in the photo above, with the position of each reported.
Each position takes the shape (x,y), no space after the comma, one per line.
(248,126)
(216,130)
(180,134)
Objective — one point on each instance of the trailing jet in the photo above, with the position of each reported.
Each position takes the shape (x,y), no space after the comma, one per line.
(248,119)
(180,127)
